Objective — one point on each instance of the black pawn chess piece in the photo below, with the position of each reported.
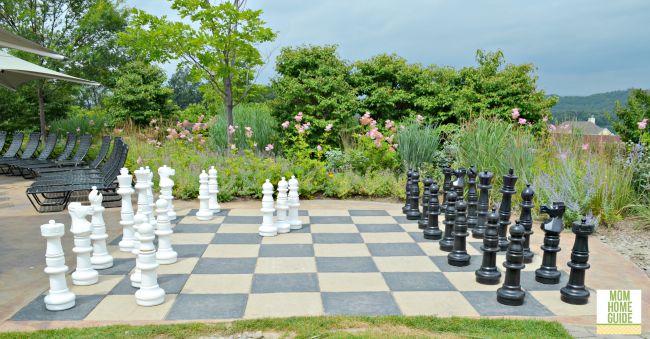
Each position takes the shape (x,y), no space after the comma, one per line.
(432,231)
(414,211)
(484,179)
(459,184)
(548,273)
(575,291)
(426,195)
(526,219)
(489,274)
(472,199)
(447,241)
(446,185)
(507,190)
(511,293)
(459,256)
(406,206)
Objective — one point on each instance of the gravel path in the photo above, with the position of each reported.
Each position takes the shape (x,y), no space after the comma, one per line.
(634,244)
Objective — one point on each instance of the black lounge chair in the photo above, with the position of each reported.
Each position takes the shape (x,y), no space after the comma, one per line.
(48,148)
(71,141)
(82,149)
(14,147)
(3,139)
(27,153)
(64,166)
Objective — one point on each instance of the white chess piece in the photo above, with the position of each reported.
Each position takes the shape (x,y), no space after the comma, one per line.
(84,273)
(294,204)
(150,199)
(204,212)
(165,254)
(126,212)
(281,207)
(267,229)
(150,293)
(166,184)
(100,258)
(141,184)
(136,276)
(59,297)
(213,190)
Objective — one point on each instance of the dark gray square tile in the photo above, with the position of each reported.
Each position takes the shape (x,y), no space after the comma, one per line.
(345,264)
(116,241)
(486,304)
(443,265)
(36,310)
(294,250)
(529,283)
(359,303)
(336,238)
(335,219)
(419,237)
(223,212)
(369,228)
(189,250)
(368,213)
(236,238)
(388,250)
(303,213)
(208,306)
(225,266)
(196,228)
(417,281)
(289,282)
(171,283)
(120,266)
(243,219)
(192,213)
(401,219)
(305,229)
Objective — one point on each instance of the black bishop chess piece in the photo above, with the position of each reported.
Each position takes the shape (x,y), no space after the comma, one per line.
(446,185)
(526,219)
(426,195)
(458,255)
(484,179)
(472,199)
(459,183)
(406,206)
(447,241)
(575,291)
(414,211)
(511,293)
(433,232)
(548,273)
(489,274)
(507,190)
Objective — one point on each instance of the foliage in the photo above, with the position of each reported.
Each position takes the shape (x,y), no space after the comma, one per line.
(630,116)
(418,144)
(186,91)
(255,116)
(82,121)
(581,108)
(19,109)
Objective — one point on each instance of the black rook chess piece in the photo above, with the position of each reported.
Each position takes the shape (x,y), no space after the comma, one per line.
(507,191)
(426,195)
(432,231)
(446,185)
(511,293)
(406,206)
(447,242)
(575,292)
(484,186)
(459,184)
(472,199)
(548,273)
(414,212)
(526,220)
(459,256)
(489,274)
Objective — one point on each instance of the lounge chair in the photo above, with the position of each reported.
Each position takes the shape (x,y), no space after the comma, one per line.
(48,148)
(32,171)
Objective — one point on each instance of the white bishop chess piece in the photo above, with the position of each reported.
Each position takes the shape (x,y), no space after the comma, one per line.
(100,258)
(267,229)
(84,273)
(59,297)
(204,212)
(294,204)
(165,254)
(150,293)
(126,213)
(166,184)
(281,207)
(213,190)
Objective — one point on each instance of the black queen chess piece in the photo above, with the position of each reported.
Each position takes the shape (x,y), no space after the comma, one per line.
(414,211)
(472,199)
(548,273)
(447,241)
(507,190)
(526,219)
(446,185)
(484,179)
(433,232)
(406,206)
(458,255)
(575,291)
(426,195)
(489,274)
(511,293)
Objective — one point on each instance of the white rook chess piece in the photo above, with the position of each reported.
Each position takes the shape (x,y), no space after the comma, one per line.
(126,212)
(136,276)
(141,184)
(84,274)
(281,207)
(59,297)
(204,212)
(213,190)
(100,258)
(267,229)
(294,204)
(165,254)
(166,184)
(150,199)
(149,294)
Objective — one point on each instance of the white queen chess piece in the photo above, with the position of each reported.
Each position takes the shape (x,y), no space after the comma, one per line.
(150,293)
(59,297)
(141,183)
(84,273)
(204,212)
(100,258)
(165,254)
(126,213)
(267,229)
(281,207)
(166,184)
(213,190)
(294,204)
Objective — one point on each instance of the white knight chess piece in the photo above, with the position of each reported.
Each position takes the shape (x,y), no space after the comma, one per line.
(100,258)
(84,273)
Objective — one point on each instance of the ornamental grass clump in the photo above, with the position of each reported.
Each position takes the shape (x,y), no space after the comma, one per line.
(253,125)
(418,144)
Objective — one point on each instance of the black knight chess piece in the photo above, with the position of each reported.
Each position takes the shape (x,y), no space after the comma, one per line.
(472,199)
(458,255)
(432,231)
(484,179)
(414,211)
(526,220)
(459,184)
(447,241)
(548,273)
(446,185)
(511,293)
(575,291)
(426,195)
(507,190)
(406,206)
(489,274)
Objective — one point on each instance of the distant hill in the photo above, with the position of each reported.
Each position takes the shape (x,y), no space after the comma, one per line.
(582,107)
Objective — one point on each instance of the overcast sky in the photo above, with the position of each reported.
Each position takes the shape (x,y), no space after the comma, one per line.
(579,47)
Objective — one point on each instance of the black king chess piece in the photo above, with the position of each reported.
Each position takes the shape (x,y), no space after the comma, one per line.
(459,184)
(446,185)
(426,195)
(414,211)
(432,231)
(447,241)
(511,293)
(489,274)
(575,292)
(526,220)
(459,256)
(507,190)
(472,199)
(406,206)
(548,273)
(484,179)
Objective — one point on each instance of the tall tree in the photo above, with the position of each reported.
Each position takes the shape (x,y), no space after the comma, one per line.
(221,50)
(186,91)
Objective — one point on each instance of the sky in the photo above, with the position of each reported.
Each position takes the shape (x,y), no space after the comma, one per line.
(579,47)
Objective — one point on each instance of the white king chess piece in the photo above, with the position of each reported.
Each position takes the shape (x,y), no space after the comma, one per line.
(84,273)
(150,293)
(204,212)
(165,254)
(100,258)
(59,297)
(281,207)
(267,229)
(294,204)
(126,213)
(166,184)
(213,190)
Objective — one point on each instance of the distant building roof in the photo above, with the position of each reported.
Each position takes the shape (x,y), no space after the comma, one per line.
(585,127)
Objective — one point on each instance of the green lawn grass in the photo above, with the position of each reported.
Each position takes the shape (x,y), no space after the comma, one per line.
(325,327)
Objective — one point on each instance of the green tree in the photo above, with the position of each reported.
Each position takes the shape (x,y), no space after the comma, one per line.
(629,116)
(186,91)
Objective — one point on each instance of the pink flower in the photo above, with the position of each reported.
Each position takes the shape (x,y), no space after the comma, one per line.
(306,126)
(268,147)
(248,132)
(153,122)
(139,161)
(390,139)
(389,124)
(642,123)
(157,128)
(298,117)
(545,119)
(515,113)
(373,122)
(201,118)
(285,124)
(419,119)
(551,128)
(118,130)
(186,124)
(319,148)
(563,155)
(374,134)
(231,129)
(328,127)
(299,128)
(196,127)
(585,147)
(522,121)
(366,119)
(151,141)
(202,141)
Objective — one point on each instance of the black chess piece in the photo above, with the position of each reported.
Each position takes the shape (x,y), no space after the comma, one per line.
(507,190)
(511,293)
(426,195)
(548,273)
(406,206)
(432,231)
(575,291)
(446,185)
(458,255)
(526,219)
(459,184)
(489,274)
(484,179)
(447,241)
(414,212)
(472,199)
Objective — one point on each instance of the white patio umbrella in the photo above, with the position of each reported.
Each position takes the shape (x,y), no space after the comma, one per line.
(15,71)
(10,40)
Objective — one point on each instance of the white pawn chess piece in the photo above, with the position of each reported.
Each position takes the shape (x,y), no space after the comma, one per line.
(126,212)
(59,297)
(150,293)
(267,229)
(136,276)
(204,212)
(150,199)
(84,273)
(141,184)
(166,184)
(165,254)
(294,204)
(213,190)
(281,207)
(100,258)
